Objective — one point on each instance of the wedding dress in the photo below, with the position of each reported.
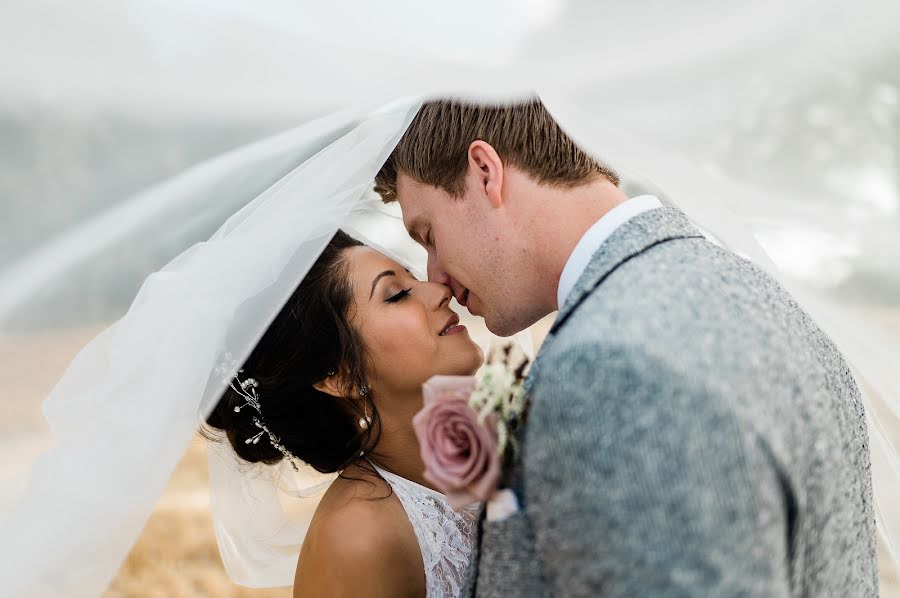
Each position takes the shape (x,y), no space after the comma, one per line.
(445,537)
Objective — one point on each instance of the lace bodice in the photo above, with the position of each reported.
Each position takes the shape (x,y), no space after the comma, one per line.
(445,536)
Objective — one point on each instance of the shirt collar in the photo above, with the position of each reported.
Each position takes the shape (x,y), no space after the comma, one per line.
(595,236)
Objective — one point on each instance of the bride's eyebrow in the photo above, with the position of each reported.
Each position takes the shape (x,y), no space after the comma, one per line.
(379,277)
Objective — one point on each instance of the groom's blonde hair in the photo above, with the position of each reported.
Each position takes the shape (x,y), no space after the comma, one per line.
(434,149)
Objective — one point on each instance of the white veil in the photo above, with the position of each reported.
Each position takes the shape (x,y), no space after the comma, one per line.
(672,105)
(134,393)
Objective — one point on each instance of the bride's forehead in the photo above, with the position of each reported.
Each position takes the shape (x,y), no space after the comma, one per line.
(366,261)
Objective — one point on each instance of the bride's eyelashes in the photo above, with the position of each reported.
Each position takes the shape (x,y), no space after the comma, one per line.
(399,296)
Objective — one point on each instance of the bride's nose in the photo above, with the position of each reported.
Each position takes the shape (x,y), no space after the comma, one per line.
(440,294)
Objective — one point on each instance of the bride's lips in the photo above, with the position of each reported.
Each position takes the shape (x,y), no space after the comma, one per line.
(452,326)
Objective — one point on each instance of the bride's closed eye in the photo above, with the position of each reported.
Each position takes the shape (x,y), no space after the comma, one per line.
(399,296)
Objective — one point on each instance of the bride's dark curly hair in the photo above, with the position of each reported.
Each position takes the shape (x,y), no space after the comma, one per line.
(311,337)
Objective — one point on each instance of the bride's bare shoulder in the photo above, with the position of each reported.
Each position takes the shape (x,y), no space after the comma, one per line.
(360,543)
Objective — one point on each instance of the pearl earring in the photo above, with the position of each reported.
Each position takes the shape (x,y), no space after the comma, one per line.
(366,420)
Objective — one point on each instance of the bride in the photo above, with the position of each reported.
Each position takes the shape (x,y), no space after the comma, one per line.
(334,382)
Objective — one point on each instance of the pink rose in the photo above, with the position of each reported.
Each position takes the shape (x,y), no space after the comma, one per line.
(460,455)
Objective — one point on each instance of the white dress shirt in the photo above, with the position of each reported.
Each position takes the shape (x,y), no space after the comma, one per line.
(595,237)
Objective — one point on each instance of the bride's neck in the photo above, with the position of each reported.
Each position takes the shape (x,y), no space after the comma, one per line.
(398,448)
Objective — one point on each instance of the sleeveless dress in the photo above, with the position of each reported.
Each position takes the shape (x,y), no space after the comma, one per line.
(445,537)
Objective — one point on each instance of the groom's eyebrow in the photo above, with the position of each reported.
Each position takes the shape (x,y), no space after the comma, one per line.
(379,277)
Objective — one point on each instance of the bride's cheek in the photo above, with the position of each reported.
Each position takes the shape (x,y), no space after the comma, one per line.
(403,335)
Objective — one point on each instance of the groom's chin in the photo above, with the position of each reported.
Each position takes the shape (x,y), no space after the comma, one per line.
(500,326)
(506,325)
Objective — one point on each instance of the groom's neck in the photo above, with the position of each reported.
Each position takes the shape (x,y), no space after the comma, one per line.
(560,218)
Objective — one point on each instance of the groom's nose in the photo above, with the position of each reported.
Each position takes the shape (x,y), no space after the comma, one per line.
(436,273)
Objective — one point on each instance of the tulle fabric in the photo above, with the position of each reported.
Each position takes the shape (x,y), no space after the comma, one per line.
(130,402)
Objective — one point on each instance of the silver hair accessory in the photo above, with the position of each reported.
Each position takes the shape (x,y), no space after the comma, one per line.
(247,389)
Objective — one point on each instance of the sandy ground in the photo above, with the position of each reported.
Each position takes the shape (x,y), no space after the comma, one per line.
(176,554)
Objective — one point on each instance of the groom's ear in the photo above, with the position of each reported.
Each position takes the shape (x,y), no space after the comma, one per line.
(485,163)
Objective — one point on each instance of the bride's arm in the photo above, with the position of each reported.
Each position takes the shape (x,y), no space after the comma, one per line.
(360,551)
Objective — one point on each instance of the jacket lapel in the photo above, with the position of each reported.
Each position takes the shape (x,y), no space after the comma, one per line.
(644,231)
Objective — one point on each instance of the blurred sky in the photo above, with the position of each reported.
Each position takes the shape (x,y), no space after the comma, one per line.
(101,99)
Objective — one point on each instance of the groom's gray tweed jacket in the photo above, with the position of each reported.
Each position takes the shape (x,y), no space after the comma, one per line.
(692,433)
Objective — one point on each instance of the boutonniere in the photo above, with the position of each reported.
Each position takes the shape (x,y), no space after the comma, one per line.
(468,429)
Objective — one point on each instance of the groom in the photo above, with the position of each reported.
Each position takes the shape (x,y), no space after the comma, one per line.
(692,432)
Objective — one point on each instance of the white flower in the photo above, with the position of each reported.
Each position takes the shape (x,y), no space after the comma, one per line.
(501,391)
